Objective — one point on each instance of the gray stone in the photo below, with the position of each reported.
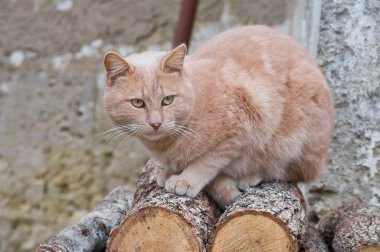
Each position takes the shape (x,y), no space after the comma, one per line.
(16,58)
(349,53)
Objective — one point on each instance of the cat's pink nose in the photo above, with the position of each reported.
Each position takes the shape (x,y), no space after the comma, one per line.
(155,126)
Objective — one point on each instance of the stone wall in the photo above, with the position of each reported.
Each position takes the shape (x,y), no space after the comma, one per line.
(55,163)
(349,54)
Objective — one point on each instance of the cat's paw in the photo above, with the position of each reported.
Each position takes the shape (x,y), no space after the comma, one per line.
(180,186)
(162,177)
(223,189)
(247,182)
(226,198)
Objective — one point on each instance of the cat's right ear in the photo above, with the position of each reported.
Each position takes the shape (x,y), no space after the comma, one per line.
(173,61)
(116,66)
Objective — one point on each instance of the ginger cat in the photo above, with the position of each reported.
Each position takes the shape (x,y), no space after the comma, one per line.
(250,105)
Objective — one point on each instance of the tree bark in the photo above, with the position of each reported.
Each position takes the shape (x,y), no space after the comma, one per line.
(312,241)
(91,233)
(269,217)
(162,221)
(353,227)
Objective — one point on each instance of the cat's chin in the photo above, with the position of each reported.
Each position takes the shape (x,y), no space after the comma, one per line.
(154,136)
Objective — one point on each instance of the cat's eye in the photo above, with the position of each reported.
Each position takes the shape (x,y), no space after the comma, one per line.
(138,103)
(167,100)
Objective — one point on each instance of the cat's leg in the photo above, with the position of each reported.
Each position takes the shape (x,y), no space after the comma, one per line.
(223,190)
(192,180)
(249,181)
(203,170)
(162,176)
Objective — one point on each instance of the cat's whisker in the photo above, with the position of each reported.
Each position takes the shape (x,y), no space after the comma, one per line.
(135,132)
(110,136)
(187,133)
(175,133)
(118,131)
(111,132)
(190,133)
(105,134)
(116,128)
(115,136)
(186,129)
(180,132)
(122,141)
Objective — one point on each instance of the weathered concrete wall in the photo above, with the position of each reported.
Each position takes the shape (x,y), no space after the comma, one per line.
(54,165)
(349,53)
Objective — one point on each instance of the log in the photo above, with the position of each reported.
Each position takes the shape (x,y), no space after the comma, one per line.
(91,233)
(351,228)
(162,221)
(312,241)
(269,217)
(327,225)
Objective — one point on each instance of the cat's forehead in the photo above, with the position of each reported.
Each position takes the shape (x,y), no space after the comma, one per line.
(146,77)
(145,59)
(146,81)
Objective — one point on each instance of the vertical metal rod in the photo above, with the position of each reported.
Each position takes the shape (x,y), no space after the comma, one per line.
(185,22)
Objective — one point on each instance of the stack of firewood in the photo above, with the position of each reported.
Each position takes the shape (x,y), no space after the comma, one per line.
(269,217)
(352,227)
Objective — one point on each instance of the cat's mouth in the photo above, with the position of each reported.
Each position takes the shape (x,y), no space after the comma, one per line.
(154,134)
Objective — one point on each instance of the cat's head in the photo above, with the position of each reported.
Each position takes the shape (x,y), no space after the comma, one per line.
(148,94)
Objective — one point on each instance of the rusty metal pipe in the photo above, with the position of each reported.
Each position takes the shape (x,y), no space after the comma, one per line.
(185,22)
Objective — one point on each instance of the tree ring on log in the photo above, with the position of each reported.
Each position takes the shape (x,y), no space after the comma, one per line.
(139,230)
(252,231)
(374,248)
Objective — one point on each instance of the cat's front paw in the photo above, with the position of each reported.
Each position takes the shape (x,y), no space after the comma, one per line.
(162,177)
(181,186)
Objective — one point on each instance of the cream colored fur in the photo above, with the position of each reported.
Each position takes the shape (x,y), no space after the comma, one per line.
(250,105)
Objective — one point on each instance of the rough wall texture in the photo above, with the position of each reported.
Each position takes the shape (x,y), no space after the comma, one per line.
(349,52)
(54,164)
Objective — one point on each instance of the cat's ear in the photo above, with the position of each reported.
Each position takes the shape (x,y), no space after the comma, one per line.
(116,66)
(173,61)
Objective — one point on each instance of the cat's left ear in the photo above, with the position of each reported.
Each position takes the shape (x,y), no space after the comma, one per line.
(116,66)
(173,61)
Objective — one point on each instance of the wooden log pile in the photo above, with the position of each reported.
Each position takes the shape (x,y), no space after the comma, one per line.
(92,231)
(269,217)
(162,221)
(352,227)
(312,241)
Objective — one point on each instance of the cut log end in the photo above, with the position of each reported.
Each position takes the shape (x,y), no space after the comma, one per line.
(140,231)
(253,222)
(374,248)
(352,228)
(252,231)
(162,221)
